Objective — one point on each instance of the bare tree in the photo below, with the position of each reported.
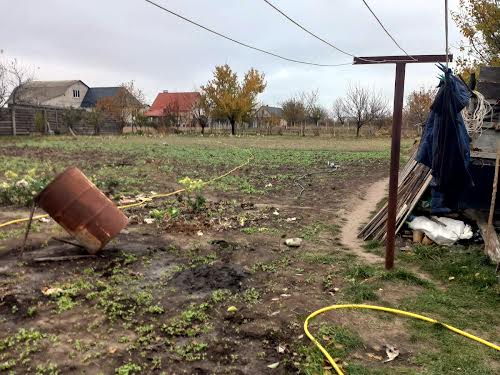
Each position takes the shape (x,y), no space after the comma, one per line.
(199,111)
(124,105)
(294,109)
(364,105)
(4,86)
(338,111)
(13,77)
(315,112)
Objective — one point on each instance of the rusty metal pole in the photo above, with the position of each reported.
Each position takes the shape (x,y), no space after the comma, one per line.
(397,119)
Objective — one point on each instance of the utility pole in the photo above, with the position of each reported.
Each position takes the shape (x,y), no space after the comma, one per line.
(397,119)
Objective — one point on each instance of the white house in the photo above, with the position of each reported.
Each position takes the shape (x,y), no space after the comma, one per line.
(50,93)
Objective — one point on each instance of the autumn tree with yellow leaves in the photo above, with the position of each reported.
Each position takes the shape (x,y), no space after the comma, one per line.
(418,107)
(225,97)
(479,22)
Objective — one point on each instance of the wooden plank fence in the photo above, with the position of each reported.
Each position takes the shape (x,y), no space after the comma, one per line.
(20,120)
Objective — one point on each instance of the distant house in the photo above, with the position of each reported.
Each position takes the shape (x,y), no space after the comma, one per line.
(50,101)
(174,108)
(94,94)
(267,116)
(66,94)
(50,93)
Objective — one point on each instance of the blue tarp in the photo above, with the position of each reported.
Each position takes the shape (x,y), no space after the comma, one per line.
(445,143)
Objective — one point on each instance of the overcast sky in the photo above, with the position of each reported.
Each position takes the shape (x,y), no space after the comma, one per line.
(106,42)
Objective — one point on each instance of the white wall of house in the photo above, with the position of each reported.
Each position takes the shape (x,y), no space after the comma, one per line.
(73,96)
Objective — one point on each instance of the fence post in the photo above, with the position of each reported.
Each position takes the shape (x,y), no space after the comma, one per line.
(14,130)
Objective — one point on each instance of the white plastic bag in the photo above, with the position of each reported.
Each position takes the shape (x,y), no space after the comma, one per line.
(442,230)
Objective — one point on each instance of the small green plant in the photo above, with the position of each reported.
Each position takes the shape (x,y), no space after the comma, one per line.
(47,369)
(32,310)
(273,266)
(128,369)
(7,365)
(193,351)
(192,185)
(190,322)
(201,260)
(128,258)
(156,214)
(220,295)
(251,296)
(173,212)
(156,309)
(193,188)
(156,363)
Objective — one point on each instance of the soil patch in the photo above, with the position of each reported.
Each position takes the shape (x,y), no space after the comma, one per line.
(362,209)
(210,277)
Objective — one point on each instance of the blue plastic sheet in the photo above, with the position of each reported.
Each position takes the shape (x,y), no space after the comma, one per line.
(445,143)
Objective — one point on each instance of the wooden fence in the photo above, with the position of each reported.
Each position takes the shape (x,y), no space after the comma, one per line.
(21,120)
(309,130)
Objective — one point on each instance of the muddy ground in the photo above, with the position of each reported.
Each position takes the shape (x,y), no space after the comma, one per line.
(213,290)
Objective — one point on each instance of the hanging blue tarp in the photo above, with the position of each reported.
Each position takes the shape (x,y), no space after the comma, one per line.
(445,143)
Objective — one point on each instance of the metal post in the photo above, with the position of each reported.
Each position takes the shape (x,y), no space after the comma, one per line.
(394,172)
(446,32)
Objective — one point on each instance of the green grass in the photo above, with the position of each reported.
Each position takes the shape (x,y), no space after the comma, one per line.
(237,183)
(319,258)
(121,165)
(338,341)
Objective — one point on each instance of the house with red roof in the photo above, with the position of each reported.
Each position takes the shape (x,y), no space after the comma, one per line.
(174,108)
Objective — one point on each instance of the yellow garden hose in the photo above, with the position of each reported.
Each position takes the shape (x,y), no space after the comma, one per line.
(389,310)
(144,200)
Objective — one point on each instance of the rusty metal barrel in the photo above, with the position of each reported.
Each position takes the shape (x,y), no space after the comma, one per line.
(74,202)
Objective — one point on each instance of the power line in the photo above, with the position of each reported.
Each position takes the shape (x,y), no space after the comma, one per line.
(241,43)
(386,31)
(306,30)
(322,39)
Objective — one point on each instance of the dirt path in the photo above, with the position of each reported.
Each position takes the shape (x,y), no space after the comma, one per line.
(362,207)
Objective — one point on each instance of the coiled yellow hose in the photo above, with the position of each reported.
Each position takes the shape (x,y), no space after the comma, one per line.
(389,310)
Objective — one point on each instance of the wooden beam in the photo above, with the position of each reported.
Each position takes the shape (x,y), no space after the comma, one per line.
(401,59)
(392,204)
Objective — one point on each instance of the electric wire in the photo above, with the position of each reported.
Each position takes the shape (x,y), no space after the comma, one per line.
(327,42)
(242,43)
(307,30)
(386,31)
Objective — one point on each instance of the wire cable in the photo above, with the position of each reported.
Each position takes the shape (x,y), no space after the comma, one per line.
(386,31)
(306,30)
(242,43)
(325,41)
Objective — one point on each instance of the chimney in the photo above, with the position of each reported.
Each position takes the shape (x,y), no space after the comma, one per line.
(165,91)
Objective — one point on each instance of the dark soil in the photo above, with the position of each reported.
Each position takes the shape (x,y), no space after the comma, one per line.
(211,277)
(273,287)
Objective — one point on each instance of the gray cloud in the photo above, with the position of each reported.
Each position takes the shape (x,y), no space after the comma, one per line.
(112,41)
